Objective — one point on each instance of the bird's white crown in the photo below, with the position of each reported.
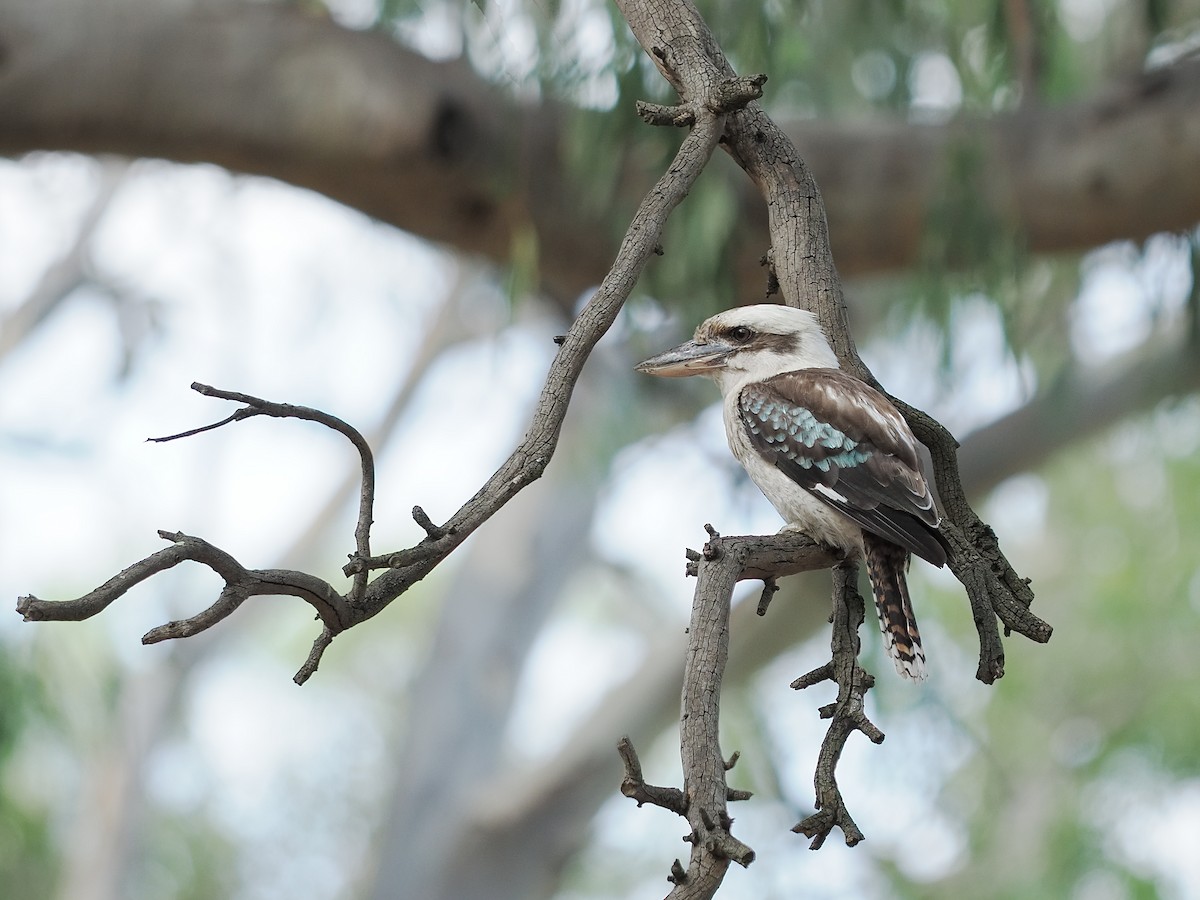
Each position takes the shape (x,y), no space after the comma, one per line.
(771,339)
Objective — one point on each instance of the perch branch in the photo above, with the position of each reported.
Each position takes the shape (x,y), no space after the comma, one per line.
(704,768)
(802,269)
(704,800)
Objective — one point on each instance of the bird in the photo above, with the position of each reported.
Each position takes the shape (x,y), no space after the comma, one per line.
(834,456)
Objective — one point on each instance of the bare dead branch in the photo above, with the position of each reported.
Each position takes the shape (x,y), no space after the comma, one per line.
(527,462)
(734,93)
(324,639)
(846,714)
(994,589)
(770,587)
(525,465)
(723,562)
(657,114)
(422,518)
(240,583)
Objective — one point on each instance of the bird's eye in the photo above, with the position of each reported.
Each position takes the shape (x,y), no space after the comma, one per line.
(740,334)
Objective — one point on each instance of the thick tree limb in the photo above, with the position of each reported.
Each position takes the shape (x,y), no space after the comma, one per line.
(1081,403)
(433,149)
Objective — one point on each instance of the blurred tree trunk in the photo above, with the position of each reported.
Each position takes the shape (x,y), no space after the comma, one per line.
(496,605)
(434,149)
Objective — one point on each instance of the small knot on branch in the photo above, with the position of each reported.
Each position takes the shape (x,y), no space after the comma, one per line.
(658,114)
(770,588)
(816,676)
(711,549)
(421,518)
(723,844)
(678,875)
(734,93)
(820,824)
(768,260)
(27,606)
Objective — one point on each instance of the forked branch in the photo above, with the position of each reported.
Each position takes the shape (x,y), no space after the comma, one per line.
(404,568)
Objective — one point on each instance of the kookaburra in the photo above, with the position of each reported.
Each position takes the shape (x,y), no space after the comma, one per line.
(831,453)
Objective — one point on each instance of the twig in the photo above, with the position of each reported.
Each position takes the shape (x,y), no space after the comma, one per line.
(256,406)
(770,587)
(846,714)
(240,584)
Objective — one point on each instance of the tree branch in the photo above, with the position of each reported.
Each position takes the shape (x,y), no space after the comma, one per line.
(529,459)
(256,406)
(439,139)
(1082,402)
(634,785)
(405,568)
(240,584)
(846,714)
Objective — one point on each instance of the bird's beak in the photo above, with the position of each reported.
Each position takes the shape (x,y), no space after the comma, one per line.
(692,358)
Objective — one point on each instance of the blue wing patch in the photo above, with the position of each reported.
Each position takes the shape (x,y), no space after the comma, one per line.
(799,435)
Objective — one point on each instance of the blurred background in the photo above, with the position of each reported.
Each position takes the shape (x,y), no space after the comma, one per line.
(387,210)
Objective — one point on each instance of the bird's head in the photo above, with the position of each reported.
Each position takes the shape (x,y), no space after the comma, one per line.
(747,344)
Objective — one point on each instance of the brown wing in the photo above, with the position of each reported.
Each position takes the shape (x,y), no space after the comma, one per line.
(847,445)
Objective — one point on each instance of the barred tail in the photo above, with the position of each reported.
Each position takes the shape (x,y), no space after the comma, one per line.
(886,563)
